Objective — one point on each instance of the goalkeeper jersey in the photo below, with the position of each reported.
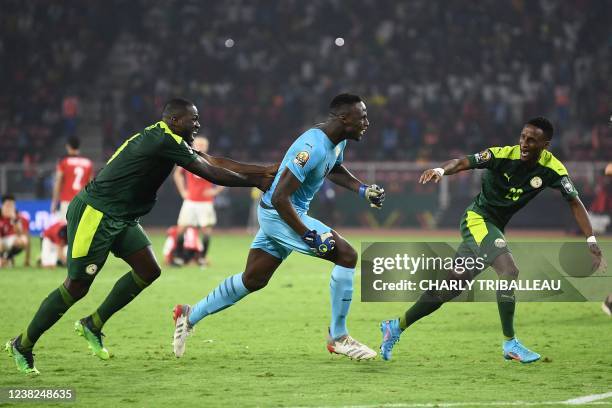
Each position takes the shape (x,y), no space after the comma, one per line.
(509,184)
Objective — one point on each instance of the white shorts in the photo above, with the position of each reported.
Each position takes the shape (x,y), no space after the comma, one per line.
(7,242)
(49,253)
(63,209)
(197,214)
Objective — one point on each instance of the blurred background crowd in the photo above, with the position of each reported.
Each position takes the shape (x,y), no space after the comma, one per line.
(440,77)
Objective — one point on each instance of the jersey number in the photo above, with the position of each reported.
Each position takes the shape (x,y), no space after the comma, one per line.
(514,193)
(78,177)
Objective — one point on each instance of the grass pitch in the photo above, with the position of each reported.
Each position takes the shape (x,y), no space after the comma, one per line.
(269,349)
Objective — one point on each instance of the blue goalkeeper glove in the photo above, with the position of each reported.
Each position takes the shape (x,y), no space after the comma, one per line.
(374,194)
(320,245)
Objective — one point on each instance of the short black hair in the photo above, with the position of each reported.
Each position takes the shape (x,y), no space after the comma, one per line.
(175,107)
(8,197)
(74,142)
(342,100)
(544,125)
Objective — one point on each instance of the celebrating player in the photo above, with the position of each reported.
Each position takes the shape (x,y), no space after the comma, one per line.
(285,226)
(72,173)
(104,217)
(514,176)
(198,209)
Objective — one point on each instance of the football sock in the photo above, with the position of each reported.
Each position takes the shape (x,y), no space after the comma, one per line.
(506,304)
(428,302)
(125,289)
(223,296)
(50,311)
(205,244)
(341,294)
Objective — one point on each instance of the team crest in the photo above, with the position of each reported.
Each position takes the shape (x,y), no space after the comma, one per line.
(91,269)
(500,243)
(536,182)
(483,156)
(301,159)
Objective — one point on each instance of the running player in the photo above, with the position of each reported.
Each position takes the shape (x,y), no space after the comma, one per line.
(285,227)
(72,173)
(514,176)
(103,218)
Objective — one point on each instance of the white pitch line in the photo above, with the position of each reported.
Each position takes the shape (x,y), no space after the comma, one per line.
(585,400)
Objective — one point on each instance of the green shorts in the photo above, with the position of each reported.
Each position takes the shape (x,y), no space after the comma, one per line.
(93,234)
(481,238)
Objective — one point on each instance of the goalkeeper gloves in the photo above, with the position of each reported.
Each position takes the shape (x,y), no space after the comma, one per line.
(320,245)
(374,194)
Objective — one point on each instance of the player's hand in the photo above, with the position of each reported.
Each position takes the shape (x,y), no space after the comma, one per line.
(599,262)
(374,194)
(320,245)
(430,174)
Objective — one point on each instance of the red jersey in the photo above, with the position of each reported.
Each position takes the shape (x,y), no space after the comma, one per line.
(198,189)
(7,227)
(76,172)
(54,235)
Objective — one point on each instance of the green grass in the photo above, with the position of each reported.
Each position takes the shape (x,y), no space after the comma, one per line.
(269,350)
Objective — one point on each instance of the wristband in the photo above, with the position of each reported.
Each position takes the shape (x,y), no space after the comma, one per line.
(591,240)
(362,190)
(439,171)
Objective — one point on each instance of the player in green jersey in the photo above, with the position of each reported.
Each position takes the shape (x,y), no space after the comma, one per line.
(514,176)
(104,218)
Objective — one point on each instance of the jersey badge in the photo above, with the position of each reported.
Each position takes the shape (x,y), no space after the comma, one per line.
(91,269)
(483,156)
(301,159)
(500,243)
(536,182)
(567,185)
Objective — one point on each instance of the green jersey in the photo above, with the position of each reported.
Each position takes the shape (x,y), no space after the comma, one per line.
(126,188)
(509,184)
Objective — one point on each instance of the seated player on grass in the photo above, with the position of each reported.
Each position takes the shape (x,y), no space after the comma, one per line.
(285,226)
(514,176)
(14,233)
(104,218)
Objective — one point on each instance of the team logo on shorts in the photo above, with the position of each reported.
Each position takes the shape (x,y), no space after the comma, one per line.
(500,243)
(301,159)
(483,156)
(91,269)
(536,182)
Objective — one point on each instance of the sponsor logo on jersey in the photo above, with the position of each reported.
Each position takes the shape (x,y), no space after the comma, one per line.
(91,269)
(567,185)
(483,156)
(301,159)
(500,243)
(536,182)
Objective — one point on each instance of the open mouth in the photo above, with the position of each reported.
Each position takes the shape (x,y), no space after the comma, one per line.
(524,154)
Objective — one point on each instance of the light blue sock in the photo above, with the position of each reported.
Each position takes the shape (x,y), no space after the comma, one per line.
(225,295)
(341,293)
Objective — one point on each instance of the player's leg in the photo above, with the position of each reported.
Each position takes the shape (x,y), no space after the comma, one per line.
(188,217)
(134,247)
(88,244)
(208,219)
(506,269)
(263,260)
(49,253)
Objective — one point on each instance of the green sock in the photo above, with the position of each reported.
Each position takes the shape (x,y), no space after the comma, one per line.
(49,312)
(506,305)
(428,303)
(125,289)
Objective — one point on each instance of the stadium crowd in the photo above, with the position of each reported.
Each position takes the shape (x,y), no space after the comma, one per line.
(439,77)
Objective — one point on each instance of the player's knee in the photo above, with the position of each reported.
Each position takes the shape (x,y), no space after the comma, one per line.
(254,282)
(77,288)
(347,256)
(149,274)
(510,272)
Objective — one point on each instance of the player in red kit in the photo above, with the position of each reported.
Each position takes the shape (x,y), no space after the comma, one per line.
(14,229)
(54,245)
(72,173)
(198,209)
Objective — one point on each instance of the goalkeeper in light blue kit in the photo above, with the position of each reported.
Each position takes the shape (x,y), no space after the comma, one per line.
(285,227)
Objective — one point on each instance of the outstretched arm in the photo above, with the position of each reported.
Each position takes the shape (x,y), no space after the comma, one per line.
(179,181)
(231,176)
(238,167)
(57,185)
(582,219)
(340,176)
(450,167)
